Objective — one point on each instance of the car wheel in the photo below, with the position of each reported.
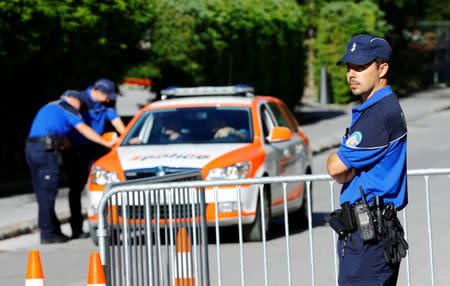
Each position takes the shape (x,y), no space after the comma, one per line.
(254,231)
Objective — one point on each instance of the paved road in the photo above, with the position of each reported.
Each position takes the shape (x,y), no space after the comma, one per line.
(66,264)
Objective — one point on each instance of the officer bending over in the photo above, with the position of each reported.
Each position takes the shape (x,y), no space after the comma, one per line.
(371,165)
(43,145)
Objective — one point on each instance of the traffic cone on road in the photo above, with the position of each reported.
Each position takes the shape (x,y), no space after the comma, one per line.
(183,273)
(35,276)
(96,276)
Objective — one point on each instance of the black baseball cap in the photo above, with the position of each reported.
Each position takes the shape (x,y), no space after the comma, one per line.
(72,93)
(106,86)
(363,49)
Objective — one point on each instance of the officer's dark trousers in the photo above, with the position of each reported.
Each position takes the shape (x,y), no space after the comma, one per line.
(76,162)
(363,264)
(45,173)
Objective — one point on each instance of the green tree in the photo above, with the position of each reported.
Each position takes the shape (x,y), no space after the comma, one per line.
(258,42)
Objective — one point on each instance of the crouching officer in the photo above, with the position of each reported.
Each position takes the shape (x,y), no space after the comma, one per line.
(43,145)
(371,165)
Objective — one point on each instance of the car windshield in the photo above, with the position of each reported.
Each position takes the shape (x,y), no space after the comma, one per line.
(191,125)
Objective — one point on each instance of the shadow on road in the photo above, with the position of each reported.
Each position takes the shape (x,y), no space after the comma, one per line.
(278,228)
(230,234)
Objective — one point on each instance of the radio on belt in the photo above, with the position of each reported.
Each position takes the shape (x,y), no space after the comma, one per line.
(364,219)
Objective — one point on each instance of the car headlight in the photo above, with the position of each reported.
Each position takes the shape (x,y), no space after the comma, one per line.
(233,172)
(102,177)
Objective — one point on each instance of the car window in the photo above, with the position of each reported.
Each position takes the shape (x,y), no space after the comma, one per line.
(279,116)
(267,121)
(290,116)
(192,125)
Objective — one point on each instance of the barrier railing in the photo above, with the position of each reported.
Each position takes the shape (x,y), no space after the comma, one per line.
(136,221)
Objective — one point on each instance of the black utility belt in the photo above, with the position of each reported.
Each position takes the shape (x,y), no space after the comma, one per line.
(374,222)
(50,144)
(369,220)
(36,139)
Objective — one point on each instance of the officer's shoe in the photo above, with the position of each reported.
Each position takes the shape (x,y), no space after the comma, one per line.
(57,238)
(80,234)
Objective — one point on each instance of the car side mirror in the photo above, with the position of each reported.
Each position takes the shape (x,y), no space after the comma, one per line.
(279,133)
(110,136)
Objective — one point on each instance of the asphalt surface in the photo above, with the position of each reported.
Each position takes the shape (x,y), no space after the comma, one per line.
(324,125)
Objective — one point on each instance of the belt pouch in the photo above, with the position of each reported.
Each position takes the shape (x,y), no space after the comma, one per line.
(348,217)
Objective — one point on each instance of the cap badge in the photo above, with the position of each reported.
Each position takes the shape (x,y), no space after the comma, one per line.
(353,48)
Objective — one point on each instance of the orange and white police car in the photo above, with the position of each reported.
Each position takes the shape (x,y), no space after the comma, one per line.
(224,133)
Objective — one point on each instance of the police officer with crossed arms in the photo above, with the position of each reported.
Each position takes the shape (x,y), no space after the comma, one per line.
(371,165)
(43,145)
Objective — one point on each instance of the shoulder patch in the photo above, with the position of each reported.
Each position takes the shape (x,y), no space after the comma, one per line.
(354,139)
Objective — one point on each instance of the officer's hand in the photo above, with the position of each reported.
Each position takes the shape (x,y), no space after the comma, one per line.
(135,141)
(172,134)
(228,131)
(111,143)
(224,132)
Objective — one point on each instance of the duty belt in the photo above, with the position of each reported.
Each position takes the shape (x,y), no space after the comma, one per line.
(386,225)
(36,139)
(50,144)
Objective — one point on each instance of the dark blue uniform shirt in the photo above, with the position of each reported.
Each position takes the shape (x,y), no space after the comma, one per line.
(55,118)
(95,114)
(375,145)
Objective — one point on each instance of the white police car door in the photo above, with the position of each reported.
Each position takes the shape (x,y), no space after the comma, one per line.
(280,156)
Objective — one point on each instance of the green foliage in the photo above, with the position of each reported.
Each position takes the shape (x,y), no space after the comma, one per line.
(338,22)
(258,42)
(77,40)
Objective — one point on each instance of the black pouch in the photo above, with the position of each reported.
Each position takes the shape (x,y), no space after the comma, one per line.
(334,220)
(48,142)
(348,217)
(342,221)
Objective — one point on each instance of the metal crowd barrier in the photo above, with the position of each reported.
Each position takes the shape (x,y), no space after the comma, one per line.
(144,225)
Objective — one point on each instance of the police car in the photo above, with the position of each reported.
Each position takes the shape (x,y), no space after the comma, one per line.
(222,132)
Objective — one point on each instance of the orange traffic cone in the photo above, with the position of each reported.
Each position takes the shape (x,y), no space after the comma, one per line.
(96,276)
(35,276)
(183,273)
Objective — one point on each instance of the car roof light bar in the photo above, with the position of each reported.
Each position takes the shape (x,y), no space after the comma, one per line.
(207,90)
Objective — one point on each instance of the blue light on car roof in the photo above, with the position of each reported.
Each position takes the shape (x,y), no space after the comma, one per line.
(239,89)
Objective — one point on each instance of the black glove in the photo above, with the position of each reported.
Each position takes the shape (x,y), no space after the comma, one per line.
(395,245)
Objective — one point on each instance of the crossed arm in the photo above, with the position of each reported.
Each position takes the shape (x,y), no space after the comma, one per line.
(338,170)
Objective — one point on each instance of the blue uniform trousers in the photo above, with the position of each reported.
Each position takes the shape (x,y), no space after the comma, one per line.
(363,264)
(45,173)
(77,162)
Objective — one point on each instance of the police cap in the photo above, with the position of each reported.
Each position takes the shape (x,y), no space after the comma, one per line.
(363,49)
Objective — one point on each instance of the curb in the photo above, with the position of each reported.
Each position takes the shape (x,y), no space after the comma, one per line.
(331,144)
(29,226)
(321,148)
(325,147)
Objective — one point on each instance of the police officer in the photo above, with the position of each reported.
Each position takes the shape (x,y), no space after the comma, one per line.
(371,160)
(78,158)
(45,140)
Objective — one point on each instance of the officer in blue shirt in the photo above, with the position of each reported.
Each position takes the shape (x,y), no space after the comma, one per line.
(82,152)
(371,158)
(45,140)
